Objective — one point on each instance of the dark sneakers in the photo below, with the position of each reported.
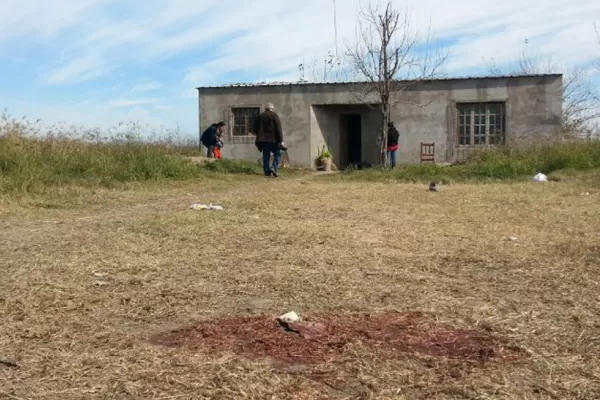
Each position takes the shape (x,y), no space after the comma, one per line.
(271,174)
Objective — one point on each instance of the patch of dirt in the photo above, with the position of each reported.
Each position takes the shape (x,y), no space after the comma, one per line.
(323,338)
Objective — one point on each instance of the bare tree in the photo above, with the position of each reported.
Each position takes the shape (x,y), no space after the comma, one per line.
(597,60)
(390,58)
(331,68)
(580,96)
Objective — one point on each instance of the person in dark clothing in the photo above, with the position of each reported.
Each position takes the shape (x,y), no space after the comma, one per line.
(210,137)
(269,139)
(392,144)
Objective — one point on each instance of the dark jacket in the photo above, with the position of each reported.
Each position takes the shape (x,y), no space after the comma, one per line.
(209,137)
(393,135)
(267,128)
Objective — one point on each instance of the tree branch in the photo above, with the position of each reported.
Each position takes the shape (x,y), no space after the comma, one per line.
(391,58)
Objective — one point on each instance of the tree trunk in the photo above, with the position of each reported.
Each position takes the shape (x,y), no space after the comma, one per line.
(384,134)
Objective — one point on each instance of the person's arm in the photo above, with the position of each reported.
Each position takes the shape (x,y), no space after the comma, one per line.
(278,131)
(214,137)
(256,125)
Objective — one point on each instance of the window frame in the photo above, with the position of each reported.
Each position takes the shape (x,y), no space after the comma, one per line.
(232,119)
(493,122)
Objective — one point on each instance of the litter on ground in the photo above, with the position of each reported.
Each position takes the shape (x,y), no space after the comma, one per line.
(539,177)
(211,206)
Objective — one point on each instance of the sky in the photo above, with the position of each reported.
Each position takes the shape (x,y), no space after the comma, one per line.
(98,63)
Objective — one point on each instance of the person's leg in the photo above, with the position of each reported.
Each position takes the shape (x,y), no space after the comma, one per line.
(266,152)
(388,158)
(393,158)
(210,151)
(276,159)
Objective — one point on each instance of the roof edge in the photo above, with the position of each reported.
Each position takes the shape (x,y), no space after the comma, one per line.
(305,83)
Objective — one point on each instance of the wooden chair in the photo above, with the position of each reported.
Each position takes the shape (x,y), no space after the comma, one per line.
(427,152)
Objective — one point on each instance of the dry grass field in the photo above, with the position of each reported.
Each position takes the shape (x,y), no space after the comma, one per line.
(86,286)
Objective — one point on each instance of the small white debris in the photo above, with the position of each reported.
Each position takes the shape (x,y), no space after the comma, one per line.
(289,318)
(99,274)
(540,177)
(513,238)
(211,206)
(100,283)
(585,194)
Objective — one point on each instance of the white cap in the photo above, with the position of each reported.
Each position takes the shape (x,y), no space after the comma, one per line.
(270,106)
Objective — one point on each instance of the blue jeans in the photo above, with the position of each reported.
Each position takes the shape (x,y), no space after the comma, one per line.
(267,149)
(391,156)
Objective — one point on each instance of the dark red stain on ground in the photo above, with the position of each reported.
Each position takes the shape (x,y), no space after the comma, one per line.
(323,337)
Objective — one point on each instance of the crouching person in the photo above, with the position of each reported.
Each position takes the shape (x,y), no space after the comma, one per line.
(210,138)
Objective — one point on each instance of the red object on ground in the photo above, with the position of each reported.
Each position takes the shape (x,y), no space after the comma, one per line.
(324,338)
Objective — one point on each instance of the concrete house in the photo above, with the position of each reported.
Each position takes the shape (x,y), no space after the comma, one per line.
(455,115)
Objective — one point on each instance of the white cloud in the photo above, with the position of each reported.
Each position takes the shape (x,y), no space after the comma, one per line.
(79,69)
(33,17)
(120,103)
(146,87)
(84,115)
(181,44)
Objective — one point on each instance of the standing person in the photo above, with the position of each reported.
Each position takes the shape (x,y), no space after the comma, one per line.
(392,144)
(269,139)
(210,137)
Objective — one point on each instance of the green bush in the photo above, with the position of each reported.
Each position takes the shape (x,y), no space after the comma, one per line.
(506,163)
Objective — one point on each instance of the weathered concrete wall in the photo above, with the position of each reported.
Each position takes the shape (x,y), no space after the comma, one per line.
(310,114)
(533,111)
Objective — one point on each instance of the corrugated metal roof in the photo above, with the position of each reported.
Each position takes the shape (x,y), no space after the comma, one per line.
(306,83)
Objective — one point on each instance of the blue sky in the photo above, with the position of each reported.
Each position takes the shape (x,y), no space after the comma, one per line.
(96,63)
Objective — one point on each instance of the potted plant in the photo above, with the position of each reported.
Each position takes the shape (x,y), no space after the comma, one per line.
(325,159)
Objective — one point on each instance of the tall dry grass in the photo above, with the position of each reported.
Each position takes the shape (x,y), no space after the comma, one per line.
(34,158)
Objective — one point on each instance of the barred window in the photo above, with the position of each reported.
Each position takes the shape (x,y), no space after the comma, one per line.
(481,124)
(243,120)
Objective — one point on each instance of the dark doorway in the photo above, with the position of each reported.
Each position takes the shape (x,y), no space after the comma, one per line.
(350,140)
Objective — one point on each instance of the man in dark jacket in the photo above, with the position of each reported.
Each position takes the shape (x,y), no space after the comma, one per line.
(210,137)
(269,139)
(392,144)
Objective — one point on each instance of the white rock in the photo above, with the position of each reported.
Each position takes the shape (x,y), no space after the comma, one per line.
(540,177)
(289,317)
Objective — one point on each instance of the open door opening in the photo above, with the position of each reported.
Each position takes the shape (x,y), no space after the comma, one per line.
(350,150)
